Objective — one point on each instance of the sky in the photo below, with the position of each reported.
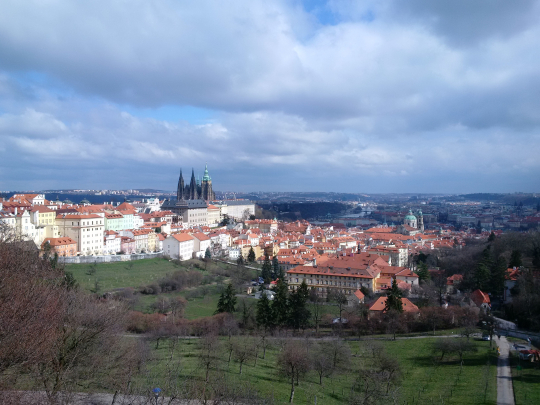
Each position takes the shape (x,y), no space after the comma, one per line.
(359,96)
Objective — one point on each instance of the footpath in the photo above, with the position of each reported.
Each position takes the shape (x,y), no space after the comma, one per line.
(505,390)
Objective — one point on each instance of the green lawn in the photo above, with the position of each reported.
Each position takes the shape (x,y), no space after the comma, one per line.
(122,274)
(424,382)
(526,382)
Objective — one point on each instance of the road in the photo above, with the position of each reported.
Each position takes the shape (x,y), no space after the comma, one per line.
(505,390)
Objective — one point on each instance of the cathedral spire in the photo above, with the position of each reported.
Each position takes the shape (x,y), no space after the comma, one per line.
(180,188)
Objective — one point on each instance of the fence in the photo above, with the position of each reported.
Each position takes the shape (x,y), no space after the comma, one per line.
(108,258)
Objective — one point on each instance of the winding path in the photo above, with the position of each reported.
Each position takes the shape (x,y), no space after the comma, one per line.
(505,390)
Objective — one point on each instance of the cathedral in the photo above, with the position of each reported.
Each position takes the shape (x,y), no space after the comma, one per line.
(195,190)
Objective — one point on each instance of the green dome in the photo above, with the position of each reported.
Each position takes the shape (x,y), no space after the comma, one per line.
(206,176)
(410,216)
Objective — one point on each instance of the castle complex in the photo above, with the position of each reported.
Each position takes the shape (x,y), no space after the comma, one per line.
(196,190)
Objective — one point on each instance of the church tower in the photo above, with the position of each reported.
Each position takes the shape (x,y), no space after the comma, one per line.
(420,221)
(180,188)
(193,186)
(206,186)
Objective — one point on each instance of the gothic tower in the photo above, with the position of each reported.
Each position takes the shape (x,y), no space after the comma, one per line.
(180,188)
(206,186)
(193,186)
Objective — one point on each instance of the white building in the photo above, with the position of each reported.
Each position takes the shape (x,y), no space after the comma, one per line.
(86,230)
(179,246)
(201,242)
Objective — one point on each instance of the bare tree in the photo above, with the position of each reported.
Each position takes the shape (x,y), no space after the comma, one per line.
(316,303)
(321,362)
(339,353)
(208,353)
(293,362)
(243,350)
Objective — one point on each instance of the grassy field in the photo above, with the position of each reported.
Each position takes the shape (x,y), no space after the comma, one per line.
(424,382)
(526,382)
(121,274)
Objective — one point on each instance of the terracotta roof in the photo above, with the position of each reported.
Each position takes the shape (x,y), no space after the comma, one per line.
(182,237)
(380,304)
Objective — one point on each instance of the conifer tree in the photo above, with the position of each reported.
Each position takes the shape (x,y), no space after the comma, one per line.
(423,272)
(264,315)
(299,314)
(240,260)
(227,300)
(251,255)
(266,269)
(280,305)
(393,299)
(275,267)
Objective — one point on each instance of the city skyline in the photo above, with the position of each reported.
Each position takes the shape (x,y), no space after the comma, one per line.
(358,97)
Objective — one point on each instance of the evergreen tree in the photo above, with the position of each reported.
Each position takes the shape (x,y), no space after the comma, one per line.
(275,267)
(393,298)
(423,272)
(207,253)
(491,237)
(299,314)
(482,273)
(240,260)
(498,272)
(264,315)
(515,259)
(280,305)
(266,269)
(251,255)
(227,300)
(536,257)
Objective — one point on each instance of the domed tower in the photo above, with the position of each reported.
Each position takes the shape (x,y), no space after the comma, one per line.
(206,186)
(420,221)
(410,220)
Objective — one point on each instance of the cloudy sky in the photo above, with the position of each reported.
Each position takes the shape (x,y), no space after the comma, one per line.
(338,95)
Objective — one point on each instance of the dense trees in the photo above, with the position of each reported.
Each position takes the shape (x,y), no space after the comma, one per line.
(51,333)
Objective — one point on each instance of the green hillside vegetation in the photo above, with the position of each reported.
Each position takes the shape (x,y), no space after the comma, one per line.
(421,379)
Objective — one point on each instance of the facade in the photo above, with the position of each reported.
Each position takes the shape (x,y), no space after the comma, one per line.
(179,246)
(61,246)
(201,242)
(86,230)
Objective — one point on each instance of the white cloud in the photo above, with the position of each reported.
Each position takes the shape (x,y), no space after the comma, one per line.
(407,89)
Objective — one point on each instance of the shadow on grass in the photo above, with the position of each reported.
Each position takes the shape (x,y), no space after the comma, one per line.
(429,361)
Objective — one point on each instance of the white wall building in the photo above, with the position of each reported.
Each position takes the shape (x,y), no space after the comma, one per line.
(179,246)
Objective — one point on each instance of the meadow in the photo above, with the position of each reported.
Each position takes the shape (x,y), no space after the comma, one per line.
(424,381)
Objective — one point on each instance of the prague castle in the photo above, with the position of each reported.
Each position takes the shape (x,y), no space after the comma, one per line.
(195,190)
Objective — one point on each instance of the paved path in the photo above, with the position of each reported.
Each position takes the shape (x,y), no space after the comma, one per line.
(505,391)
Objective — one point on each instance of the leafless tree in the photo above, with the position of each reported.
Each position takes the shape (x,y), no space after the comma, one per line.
(321,362)
(339,353)
(316,303)
(243,350)
(293,362)
(209,347)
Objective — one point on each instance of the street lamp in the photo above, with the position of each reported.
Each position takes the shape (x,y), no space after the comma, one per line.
(156,392)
